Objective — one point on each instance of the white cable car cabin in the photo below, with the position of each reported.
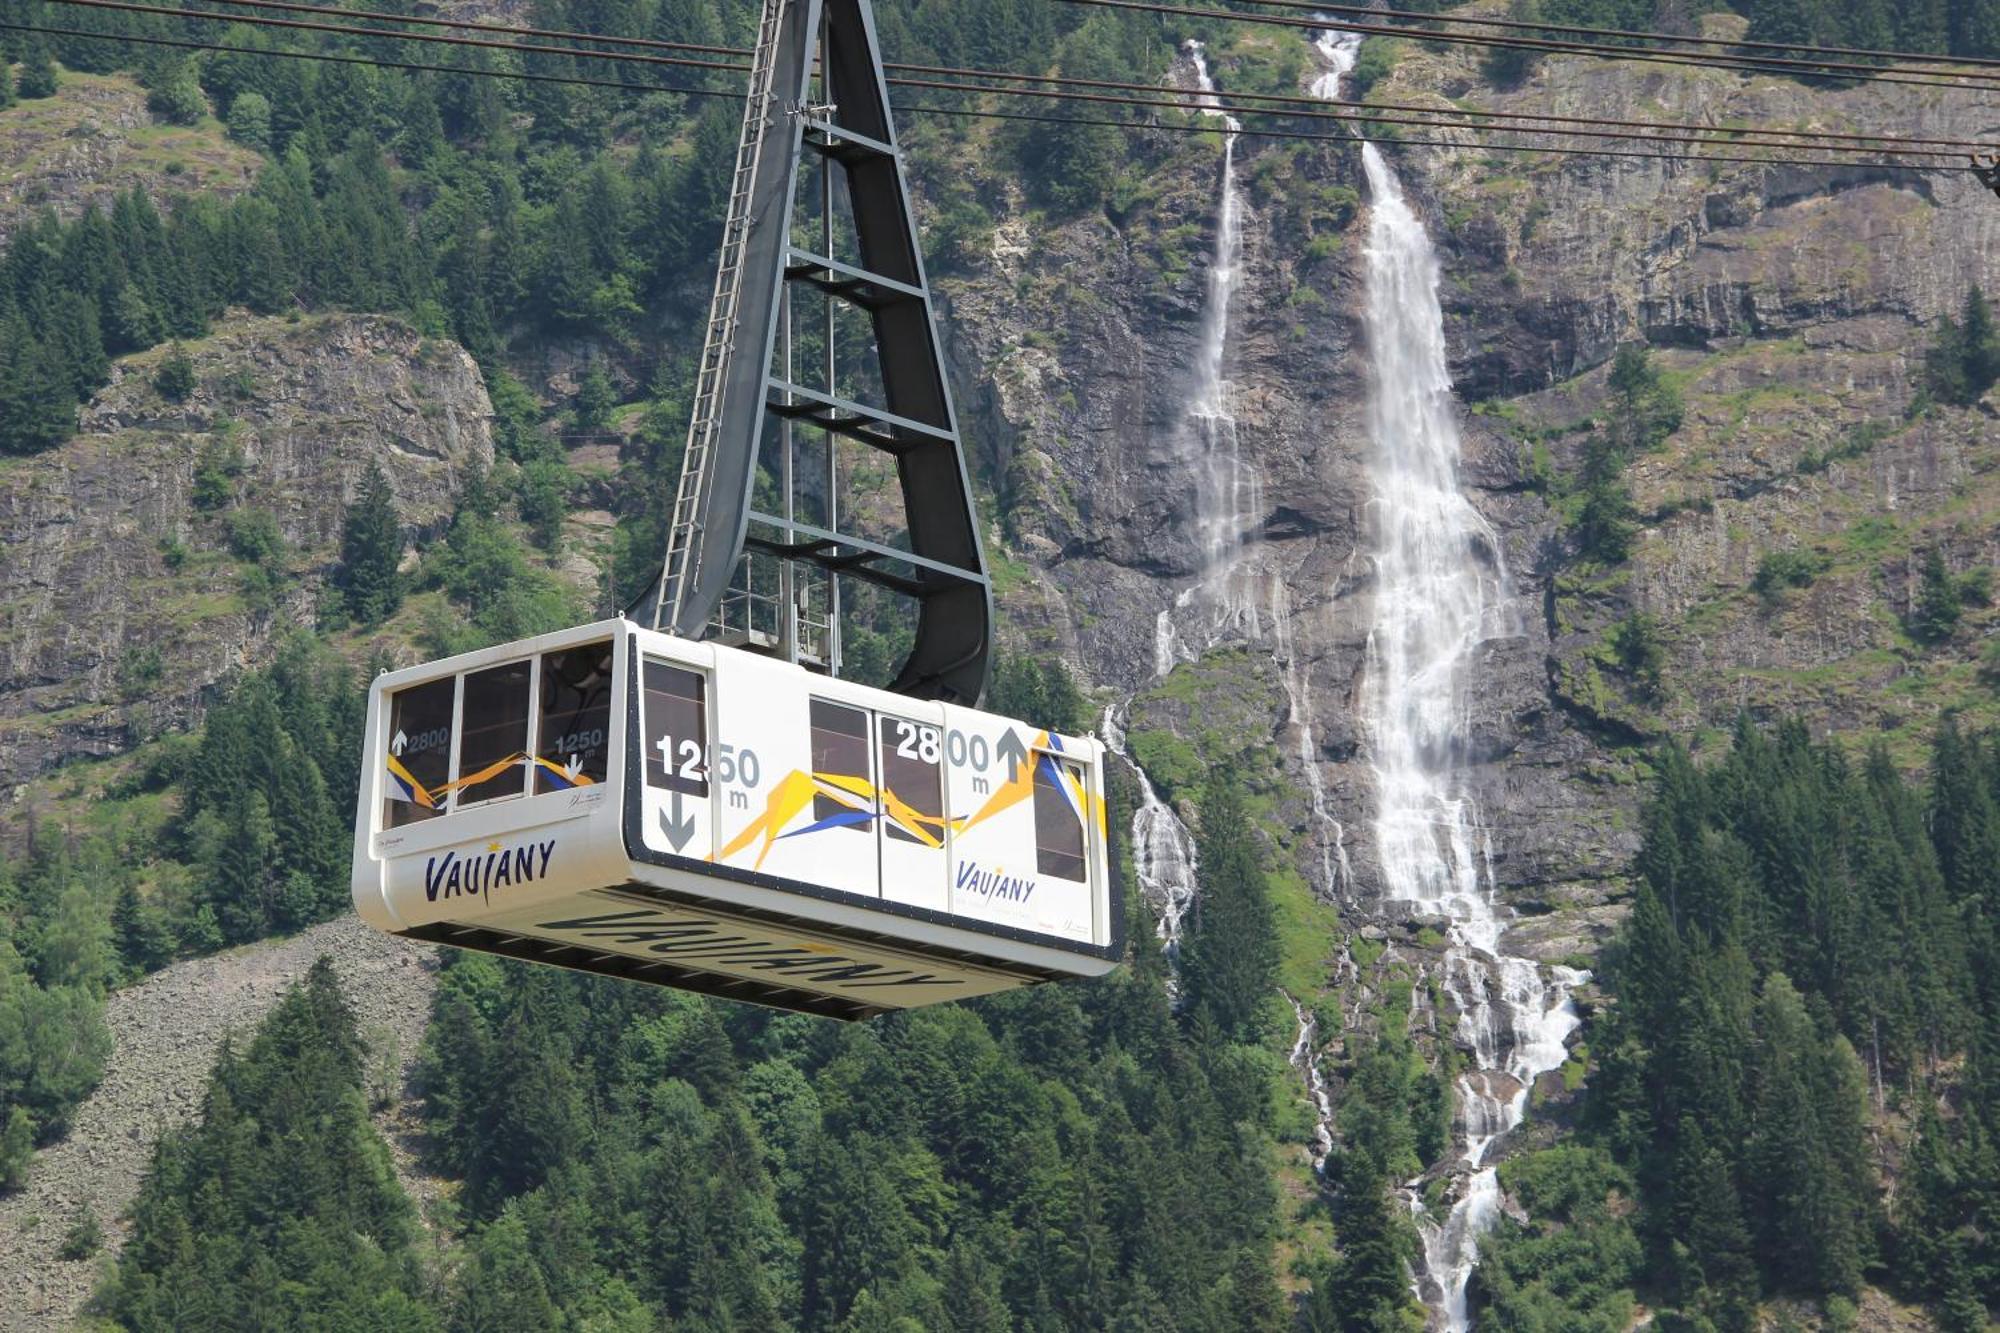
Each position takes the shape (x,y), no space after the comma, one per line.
(624,802)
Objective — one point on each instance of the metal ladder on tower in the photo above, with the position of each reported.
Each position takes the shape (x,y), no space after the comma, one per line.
(684,531)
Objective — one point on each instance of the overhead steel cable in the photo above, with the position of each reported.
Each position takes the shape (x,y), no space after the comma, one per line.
(1189,103)
(967,112)
(1698,59)
(1632,34)
(334,57)
(1741,135)
(1212,103)
(1307,6)
(1307,101)
(344,30)
(1402,141)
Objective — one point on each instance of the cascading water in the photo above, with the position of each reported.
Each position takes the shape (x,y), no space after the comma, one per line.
(1303,1060)
(1437,581)
(1162,848)
(1228,492)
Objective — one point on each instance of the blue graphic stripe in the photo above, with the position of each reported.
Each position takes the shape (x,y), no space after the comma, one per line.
(845,819)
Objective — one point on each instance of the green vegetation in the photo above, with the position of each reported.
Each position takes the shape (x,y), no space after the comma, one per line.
(1808,949)
(371,551)
(1645,410)
(1779,571)
(1639,650)
(279,1209)
(175,378)
(1964,357)
(1956,27)
(1229,958)
(1571,1264)
(1066,1157)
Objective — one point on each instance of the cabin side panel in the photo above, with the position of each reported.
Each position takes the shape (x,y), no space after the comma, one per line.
(795,778)
(1020,807)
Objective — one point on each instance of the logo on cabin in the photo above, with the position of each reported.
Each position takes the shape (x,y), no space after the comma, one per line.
(993,884)
(478,874)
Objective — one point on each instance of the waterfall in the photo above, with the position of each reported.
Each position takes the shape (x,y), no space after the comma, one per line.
(1303,1060)
(1229,499)
(1438,579)
(1162,848)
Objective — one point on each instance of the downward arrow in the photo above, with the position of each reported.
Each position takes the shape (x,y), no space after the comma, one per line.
(572,768)
(1011,752)
(397,746)
(677,827)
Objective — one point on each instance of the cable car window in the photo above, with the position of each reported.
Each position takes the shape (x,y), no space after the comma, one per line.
(676,729)
(1058,818)
(912,781)
(495,743)
(419,752)
(840,762)
(576,718)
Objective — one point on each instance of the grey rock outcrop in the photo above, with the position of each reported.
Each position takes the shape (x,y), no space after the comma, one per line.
(119,603)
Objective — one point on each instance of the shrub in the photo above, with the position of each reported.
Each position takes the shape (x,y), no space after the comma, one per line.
(175,378)
(250,120)
(83,1239)
(254,537)
(1779,570)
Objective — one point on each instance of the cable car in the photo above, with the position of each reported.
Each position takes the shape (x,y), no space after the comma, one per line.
(634,804)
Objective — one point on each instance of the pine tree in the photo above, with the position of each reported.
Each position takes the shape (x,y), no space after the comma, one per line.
(38,69)
(371,549)
(1229,958)
(1365,1290)
(1939,601)
(145,941)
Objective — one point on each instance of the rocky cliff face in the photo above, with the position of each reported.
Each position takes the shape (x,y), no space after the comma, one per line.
(95,141)
(1789,305)
(123,603)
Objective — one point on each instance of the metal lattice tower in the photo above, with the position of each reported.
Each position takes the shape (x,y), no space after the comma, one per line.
(772,580)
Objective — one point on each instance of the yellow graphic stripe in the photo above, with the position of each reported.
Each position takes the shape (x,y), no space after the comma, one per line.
(1013,791)
(429,797)
(783,805)
(417,791)
(913,823)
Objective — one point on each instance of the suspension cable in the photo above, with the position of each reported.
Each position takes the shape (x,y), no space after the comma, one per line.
(1698,59)
(1184,102)
(966,112)
(1316,108)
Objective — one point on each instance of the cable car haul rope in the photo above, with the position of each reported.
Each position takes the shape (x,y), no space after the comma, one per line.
(1281,112)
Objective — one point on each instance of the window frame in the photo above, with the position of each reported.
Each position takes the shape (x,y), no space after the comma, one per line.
(1065,767)
(453,801)
(704,706)
(458,735)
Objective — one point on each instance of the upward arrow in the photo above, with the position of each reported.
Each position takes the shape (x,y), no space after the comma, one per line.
(677,828)
(1011,752)
(397,746)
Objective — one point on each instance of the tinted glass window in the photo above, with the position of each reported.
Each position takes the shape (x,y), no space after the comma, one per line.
(840,760)
(912,785)
(1058,818)
(676,729)
(419,752)
(495,724)
(574,748)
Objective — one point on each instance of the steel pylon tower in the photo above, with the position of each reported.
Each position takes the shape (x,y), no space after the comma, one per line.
(759,545)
